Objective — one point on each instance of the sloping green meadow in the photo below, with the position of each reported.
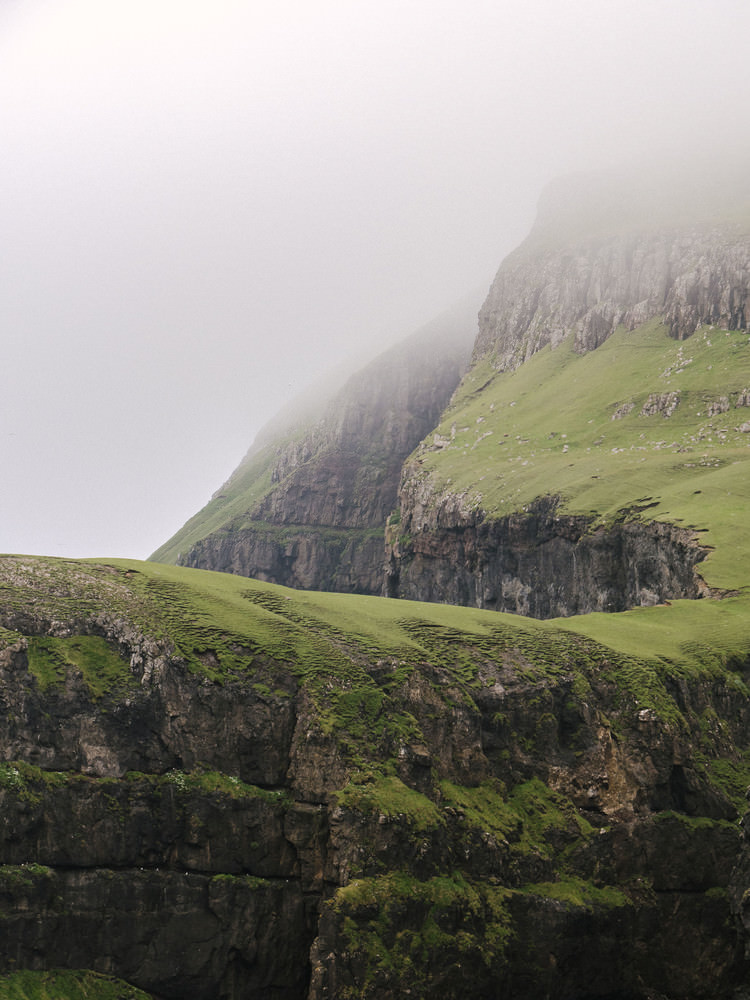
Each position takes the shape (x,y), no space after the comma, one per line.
(594,430)
(325,634)
(644,427)
(229,628)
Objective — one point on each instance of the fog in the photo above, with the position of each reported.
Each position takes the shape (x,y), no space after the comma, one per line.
(205,206)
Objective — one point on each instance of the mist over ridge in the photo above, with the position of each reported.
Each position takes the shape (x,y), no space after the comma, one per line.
(205,210)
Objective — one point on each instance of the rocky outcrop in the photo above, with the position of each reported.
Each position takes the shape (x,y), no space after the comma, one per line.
(538,562)
(308,557)
(613,269)
(319,522)
(515,810)
(603,256)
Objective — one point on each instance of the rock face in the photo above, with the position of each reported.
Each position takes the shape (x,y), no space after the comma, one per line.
(691,278)
(319,523)
(622,269)
(497,812)
(538,562)
(591,266)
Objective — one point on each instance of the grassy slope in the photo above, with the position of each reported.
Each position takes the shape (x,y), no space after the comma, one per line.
(330,641)
(66,985)
(245,489)
(549,428)
(322,633)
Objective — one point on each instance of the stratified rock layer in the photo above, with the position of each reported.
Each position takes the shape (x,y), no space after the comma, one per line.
(496,811)
(318,524)
(538,562)
(609,251)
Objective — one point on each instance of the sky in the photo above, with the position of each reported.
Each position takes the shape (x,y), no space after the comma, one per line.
(204,206)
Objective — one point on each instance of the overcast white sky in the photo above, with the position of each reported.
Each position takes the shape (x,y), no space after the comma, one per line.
(203,205)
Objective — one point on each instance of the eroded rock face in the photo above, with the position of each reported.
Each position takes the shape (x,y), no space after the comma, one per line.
(320,526)
(538,562)
(591,283)
(522,824)
(305,556)
(638,791)
(171,719)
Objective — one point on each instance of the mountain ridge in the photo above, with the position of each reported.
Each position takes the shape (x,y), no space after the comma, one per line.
(305,795)
(307,505)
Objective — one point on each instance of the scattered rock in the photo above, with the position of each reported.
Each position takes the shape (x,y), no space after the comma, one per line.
(622,411)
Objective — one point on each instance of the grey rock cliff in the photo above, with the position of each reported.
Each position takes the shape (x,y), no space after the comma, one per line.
(601,257)
(606,252)
(542,774)
(688,277)
(333,483)
(538,562)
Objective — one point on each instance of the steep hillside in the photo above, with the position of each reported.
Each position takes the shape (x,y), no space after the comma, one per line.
(213,787)
(308,504)
(597,450)
(217,787)
(612,250)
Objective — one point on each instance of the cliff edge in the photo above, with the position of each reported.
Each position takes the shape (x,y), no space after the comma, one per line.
(217,788)
(308,504)
(609,385)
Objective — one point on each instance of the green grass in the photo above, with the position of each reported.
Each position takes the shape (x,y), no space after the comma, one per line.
(26,781)
(484,808)
(61,984)
(413,936)
(104,671)
(19,877)
(543,813)
(212,783)
(579,893)
(388,796)
(350,651)
(547,428)
(732,777)
(29,783)
(531,820)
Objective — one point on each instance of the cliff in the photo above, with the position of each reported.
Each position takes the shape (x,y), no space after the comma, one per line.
(216,788)
(610,250)
(609,384)
(307,506)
